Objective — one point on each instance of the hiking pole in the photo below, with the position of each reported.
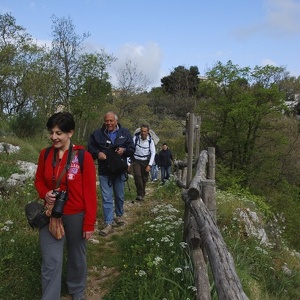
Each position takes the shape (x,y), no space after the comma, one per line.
(129,191)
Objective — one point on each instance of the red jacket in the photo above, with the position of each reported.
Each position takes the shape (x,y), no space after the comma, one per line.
(82,195)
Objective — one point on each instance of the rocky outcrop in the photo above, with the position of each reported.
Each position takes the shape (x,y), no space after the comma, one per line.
(8,148)
(28,169)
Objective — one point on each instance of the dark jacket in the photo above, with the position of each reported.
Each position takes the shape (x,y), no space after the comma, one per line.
(99,141)
(165,158)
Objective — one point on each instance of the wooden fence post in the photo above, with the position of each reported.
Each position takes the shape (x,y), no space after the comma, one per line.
(208,193)
(190,148)
(197,136)
(211,163)
(227,283)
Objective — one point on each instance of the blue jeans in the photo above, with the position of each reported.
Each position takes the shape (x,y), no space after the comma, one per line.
(112,192)
(154,172)
(165,173)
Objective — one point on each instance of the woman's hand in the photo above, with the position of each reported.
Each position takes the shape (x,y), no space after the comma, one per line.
(87,234)
(50,197)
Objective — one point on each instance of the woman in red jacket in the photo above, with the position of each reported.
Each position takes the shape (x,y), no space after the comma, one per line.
(60,179)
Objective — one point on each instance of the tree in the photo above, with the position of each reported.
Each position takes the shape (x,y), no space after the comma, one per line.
(93,88)
(18,55)
(131,85)
(239,106)
(291,87)
(181,82)
(66,47)
(181,89)
(130,80)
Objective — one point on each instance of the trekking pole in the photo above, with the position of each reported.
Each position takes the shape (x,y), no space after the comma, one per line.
(129,189)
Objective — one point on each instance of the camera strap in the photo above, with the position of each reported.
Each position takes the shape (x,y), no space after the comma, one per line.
(71,155)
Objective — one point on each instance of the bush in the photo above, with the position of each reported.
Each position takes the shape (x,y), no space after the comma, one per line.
(26,125)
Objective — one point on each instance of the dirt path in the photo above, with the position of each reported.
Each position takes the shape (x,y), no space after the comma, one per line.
(97,278)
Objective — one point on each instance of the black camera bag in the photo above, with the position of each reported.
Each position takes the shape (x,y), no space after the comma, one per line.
(116,163)
(36,215)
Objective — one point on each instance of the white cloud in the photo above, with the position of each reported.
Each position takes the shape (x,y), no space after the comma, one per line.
(281,19)
(44,43)
(268,61)
(148,59)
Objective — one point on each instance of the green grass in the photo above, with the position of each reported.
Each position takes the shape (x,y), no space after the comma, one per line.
(150,260)
(259,265)
(155,261)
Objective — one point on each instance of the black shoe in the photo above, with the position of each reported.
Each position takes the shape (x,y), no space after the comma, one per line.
(139,198)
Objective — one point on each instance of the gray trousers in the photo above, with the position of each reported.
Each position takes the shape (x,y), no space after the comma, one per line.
(52,259)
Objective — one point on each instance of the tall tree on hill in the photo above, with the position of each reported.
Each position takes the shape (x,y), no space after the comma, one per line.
(181,82)
(66,48)
(241,110)
(130,90)
(18,55)
(93,90)
(181,88)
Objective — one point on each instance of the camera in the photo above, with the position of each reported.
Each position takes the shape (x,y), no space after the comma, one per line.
(107,144)
(61,198)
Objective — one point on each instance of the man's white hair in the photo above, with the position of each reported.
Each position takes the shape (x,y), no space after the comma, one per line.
(111,113)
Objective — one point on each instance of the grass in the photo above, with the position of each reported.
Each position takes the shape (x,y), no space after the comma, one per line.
(149,260)
(155,261)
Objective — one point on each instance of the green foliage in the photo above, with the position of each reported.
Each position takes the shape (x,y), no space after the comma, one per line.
(238,106)
(20,255)
(243,117)
(168,190)
(151,258)
(29,150)
(149,271)
(285,204)
(181,81)
(259,265)
(26,124)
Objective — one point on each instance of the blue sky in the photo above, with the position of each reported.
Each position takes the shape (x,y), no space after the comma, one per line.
(159,35)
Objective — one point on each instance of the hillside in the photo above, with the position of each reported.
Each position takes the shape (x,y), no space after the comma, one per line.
(142,256)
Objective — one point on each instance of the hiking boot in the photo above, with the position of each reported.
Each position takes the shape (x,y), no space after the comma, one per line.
(119,221)
(106,230)
(139,198)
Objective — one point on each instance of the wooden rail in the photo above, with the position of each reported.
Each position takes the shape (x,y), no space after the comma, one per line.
(208,249)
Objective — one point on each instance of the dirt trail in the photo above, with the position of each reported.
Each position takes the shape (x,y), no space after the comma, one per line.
(97,278)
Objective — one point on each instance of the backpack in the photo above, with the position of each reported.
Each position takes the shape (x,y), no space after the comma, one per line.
(137,139)
(80,156)
(116,163)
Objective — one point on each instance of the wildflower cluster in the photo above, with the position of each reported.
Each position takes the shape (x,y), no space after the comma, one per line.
(159,257)
(6,226)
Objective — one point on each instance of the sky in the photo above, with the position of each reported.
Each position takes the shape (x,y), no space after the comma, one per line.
(160,35)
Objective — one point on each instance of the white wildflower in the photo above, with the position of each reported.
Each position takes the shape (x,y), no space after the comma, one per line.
(142,273)
(183,245)
(178,270)
(157,260)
